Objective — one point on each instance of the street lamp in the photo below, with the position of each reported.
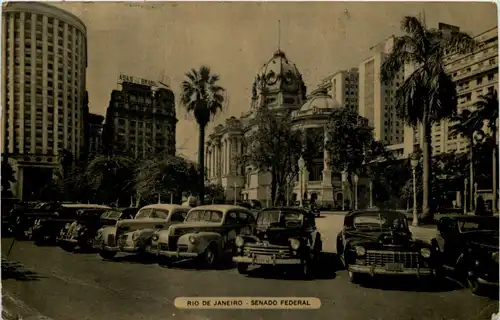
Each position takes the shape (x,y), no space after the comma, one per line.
(465,195)
(302,166)
(356,179)
(344,179)
(414,163)
(371,194)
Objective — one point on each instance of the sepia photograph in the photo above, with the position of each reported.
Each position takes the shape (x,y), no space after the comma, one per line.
(203,160)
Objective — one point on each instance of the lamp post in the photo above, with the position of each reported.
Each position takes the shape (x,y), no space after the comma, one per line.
(414,163)
(171,198)
(302,166)
(465,195)
(371,194)
(356,179)
(475,195)
(344,179)
(234,194)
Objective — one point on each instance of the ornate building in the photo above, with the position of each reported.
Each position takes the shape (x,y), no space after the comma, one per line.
(279,87)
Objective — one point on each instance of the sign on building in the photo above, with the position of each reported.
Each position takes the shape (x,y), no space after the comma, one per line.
(136,80)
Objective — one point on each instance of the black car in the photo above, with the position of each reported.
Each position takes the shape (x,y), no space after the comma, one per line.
(467,248)
(380,243)
(81,232)
(280,237)
(23,217)
(47,229)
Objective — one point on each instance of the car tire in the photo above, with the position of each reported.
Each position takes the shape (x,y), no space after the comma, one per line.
(164,262)
(242,268)
(354,277)
(210,256)
(474,286)
(107,255)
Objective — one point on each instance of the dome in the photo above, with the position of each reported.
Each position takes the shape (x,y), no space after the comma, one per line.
(279,74)
(320,100)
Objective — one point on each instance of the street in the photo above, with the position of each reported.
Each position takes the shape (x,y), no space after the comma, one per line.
(62,285)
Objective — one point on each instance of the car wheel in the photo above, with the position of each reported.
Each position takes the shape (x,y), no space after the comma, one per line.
(210,256)
(107,255)
(164,262)
(242,268)
(354,277)
(474,286)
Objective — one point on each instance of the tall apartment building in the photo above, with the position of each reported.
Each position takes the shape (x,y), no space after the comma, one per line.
(475,74)
(94,127)
(342,86)
(377,100)
(44,61)
(140,119)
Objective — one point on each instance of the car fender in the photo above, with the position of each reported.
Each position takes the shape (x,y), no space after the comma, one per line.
(105,232)
(203,240)
(162,235)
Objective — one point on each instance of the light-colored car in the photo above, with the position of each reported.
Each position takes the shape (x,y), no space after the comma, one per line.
(134,235)
(208,233)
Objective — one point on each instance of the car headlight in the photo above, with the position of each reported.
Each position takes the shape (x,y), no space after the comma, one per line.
(239,241)
(425,252)
(360,251)
(495,256)
(135,236)
(155,237)
(192,239)
(295,244)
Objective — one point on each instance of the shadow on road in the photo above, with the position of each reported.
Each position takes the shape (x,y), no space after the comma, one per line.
(193,264)
(16,271)
(396,283)
(134,258)
(328,265)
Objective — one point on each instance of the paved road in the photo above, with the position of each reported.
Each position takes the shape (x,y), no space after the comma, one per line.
(61,285)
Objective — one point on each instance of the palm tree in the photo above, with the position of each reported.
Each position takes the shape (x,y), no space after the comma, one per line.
(466,125)
(428,95)
(204,98)
(487,109)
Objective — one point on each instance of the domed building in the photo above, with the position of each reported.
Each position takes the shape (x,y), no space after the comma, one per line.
(278,86)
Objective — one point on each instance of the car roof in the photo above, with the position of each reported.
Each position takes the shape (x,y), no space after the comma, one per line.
(286,208)
(165,206)
(84,206)
(374,212)
(220,207)
(467,217)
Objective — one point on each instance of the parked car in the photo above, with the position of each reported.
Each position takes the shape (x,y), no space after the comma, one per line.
(467,248)
(23,217)
(82,231)
(208,234)
(379,242)
(134,235)
(280,237)
(48,228)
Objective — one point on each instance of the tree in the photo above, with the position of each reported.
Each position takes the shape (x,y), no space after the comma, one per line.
(275,147)
(351,144)
(165,175)
(204,98)
(466,125)
(428,95)
(110,177)
(487,109)
(7,178)
(215,193)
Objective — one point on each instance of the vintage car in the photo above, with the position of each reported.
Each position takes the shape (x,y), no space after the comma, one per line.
(47,229)
(379,242)
(467,248)
(81,232)
(23,217)
(281,236)
(208,233)
(134,235)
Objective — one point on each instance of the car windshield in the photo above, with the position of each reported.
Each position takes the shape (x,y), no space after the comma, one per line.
(204,216)
(270,217)
(144,213)
(487,224)
(377,221)
(159,214)
(114,215)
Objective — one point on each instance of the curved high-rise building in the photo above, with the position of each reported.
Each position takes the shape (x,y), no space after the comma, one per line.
(44,60)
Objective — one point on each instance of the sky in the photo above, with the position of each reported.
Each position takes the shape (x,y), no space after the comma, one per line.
(235,39)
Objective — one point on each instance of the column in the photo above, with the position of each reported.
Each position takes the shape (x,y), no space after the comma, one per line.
(230,155)
(327,193)
(219,163)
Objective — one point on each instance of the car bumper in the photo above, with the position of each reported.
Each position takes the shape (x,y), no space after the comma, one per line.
(68,240)
(175,254)
(383,271)
(275,261)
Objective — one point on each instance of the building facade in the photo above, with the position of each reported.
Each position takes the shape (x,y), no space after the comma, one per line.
(376,99)
(44,61)
(343,87)
(94,128)
(140,120)
(278,86)
(475,74)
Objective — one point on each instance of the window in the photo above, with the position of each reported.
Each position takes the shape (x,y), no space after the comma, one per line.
(491,77)
(479,81)
(492,62)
